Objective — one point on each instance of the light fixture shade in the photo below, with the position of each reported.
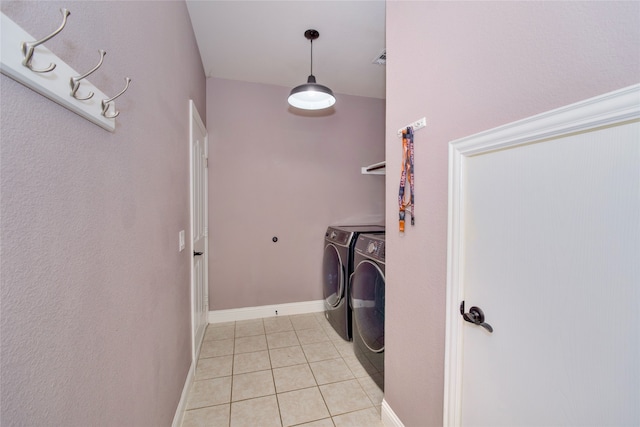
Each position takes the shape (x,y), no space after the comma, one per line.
(311,96)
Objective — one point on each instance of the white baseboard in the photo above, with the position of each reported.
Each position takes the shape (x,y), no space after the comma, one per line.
(389,418)
(247,313)
(182,405)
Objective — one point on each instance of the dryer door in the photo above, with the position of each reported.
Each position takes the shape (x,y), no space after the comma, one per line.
(332,276)
(367,303)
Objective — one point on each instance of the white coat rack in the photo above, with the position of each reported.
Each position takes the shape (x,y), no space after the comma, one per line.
(418,124)
(26,61)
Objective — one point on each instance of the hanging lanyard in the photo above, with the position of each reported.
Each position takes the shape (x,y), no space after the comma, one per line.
(407,174)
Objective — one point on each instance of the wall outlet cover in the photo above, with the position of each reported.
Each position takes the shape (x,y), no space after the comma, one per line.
(181,241)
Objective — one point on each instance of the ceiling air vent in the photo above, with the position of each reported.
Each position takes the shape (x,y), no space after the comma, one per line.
(381,59)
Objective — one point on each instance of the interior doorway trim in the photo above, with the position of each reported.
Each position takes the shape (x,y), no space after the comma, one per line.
(609,109)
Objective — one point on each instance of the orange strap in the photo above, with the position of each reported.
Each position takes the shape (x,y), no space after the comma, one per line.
(407,174)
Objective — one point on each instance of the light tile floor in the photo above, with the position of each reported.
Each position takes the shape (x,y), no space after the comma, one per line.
(280,371)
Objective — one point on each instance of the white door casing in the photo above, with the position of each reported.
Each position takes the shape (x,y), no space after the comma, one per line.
(198,153)
(544,236)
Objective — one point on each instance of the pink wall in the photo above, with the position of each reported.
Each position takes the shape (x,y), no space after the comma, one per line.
(276,173)
(467,67)
(94,293)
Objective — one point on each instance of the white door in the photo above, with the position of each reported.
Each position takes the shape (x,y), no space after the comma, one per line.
(199,228)
(545,240)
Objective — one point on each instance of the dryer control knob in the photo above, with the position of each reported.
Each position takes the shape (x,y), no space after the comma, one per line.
(371,248)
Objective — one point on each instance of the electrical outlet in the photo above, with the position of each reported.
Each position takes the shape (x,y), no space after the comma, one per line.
(181,244)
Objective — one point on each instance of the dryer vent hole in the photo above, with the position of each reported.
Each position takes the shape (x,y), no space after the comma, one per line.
(276,312)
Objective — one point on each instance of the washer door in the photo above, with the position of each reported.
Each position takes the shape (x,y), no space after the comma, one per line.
(332,276)
(367,303)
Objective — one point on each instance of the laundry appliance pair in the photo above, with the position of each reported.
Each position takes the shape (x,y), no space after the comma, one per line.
(337,268)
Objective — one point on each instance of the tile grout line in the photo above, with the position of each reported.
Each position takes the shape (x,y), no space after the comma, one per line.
(233,367)
(273,378)
(330,340)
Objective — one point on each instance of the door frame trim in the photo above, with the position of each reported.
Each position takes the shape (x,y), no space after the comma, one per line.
(605,110)
(195,119)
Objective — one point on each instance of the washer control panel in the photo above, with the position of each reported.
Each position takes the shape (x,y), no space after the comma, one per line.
(371,246)
(340,237)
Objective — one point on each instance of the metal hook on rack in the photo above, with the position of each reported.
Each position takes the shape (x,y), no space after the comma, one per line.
(75,81)
(107,102)
(28,47)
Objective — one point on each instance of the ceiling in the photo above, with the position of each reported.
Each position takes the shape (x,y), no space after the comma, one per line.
(263,42)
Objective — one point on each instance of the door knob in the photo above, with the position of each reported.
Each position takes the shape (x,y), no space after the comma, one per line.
(197,253)
(475,316)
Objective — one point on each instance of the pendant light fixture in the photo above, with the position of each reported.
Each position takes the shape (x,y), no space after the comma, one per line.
(311,96)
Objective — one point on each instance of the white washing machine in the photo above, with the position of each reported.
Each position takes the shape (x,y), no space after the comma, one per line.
(368,304)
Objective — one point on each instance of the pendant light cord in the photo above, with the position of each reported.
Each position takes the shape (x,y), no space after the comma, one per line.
(311,56)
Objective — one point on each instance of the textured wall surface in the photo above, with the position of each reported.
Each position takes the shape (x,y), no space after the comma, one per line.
(479,65)
(274,172)
(95,300)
